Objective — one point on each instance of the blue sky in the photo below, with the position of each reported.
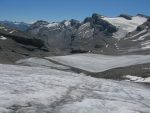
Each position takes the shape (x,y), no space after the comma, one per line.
(57,10)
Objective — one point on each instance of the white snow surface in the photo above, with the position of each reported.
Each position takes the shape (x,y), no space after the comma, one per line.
(3,38)
(125,26)
(1,27)
(99,63)
(67,23)
(52,24)
(137,79)
(40,90)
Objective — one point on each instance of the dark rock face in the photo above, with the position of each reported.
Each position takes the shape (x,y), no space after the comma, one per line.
(21,37)
(93,34)
(38,24)
(142,27)
(137,42)
(15,45)
(56,37)
(74,35)
(142,15)
(75,23)
(97,22)
(126,16)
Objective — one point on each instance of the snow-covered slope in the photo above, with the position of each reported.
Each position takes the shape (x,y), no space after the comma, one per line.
(99,63)
(39,90)
(138,40)
(124,25)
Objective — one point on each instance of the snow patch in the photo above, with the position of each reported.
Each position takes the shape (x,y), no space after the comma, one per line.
(116,45)
(99,63)
(82,27)
(137,79)
(67,23)
(141,32)
(5,29)
(52,25)
(145,45)
(2,27)
(146,42)
(125,26)
(107,45)
(12,31)
(142,37)
(147,68)
(3,38)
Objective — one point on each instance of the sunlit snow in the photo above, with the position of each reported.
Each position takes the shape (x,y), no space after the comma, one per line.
(3,38)
(99,63)
(125,26)
(41,90)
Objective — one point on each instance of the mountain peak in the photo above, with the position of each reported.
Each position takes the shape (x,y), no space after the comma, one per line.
(126,16)
(142,15)
(96,16)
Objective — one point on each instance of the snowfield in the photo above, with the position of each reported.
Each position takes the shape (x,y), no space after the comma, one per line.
(125,26)
(99,63)
(40,90)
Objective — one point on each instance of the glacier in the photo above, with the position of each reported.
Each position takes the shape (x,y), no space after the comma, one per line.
(26,89)
(98,63)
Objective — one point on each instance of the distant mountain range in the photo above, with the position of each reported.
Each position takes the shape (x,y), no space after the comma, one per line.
(124,34)
(16,25)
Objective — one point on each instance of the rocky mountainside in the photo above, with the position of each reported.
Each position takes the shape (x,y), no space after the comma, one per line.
(91,34)
(40,72)
(15,44)
(124,34)
(97,34)
(137,41)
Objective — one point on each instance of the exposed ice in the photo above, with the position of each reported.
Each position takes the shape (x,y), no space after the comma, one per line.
(40,90)
(99,63)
